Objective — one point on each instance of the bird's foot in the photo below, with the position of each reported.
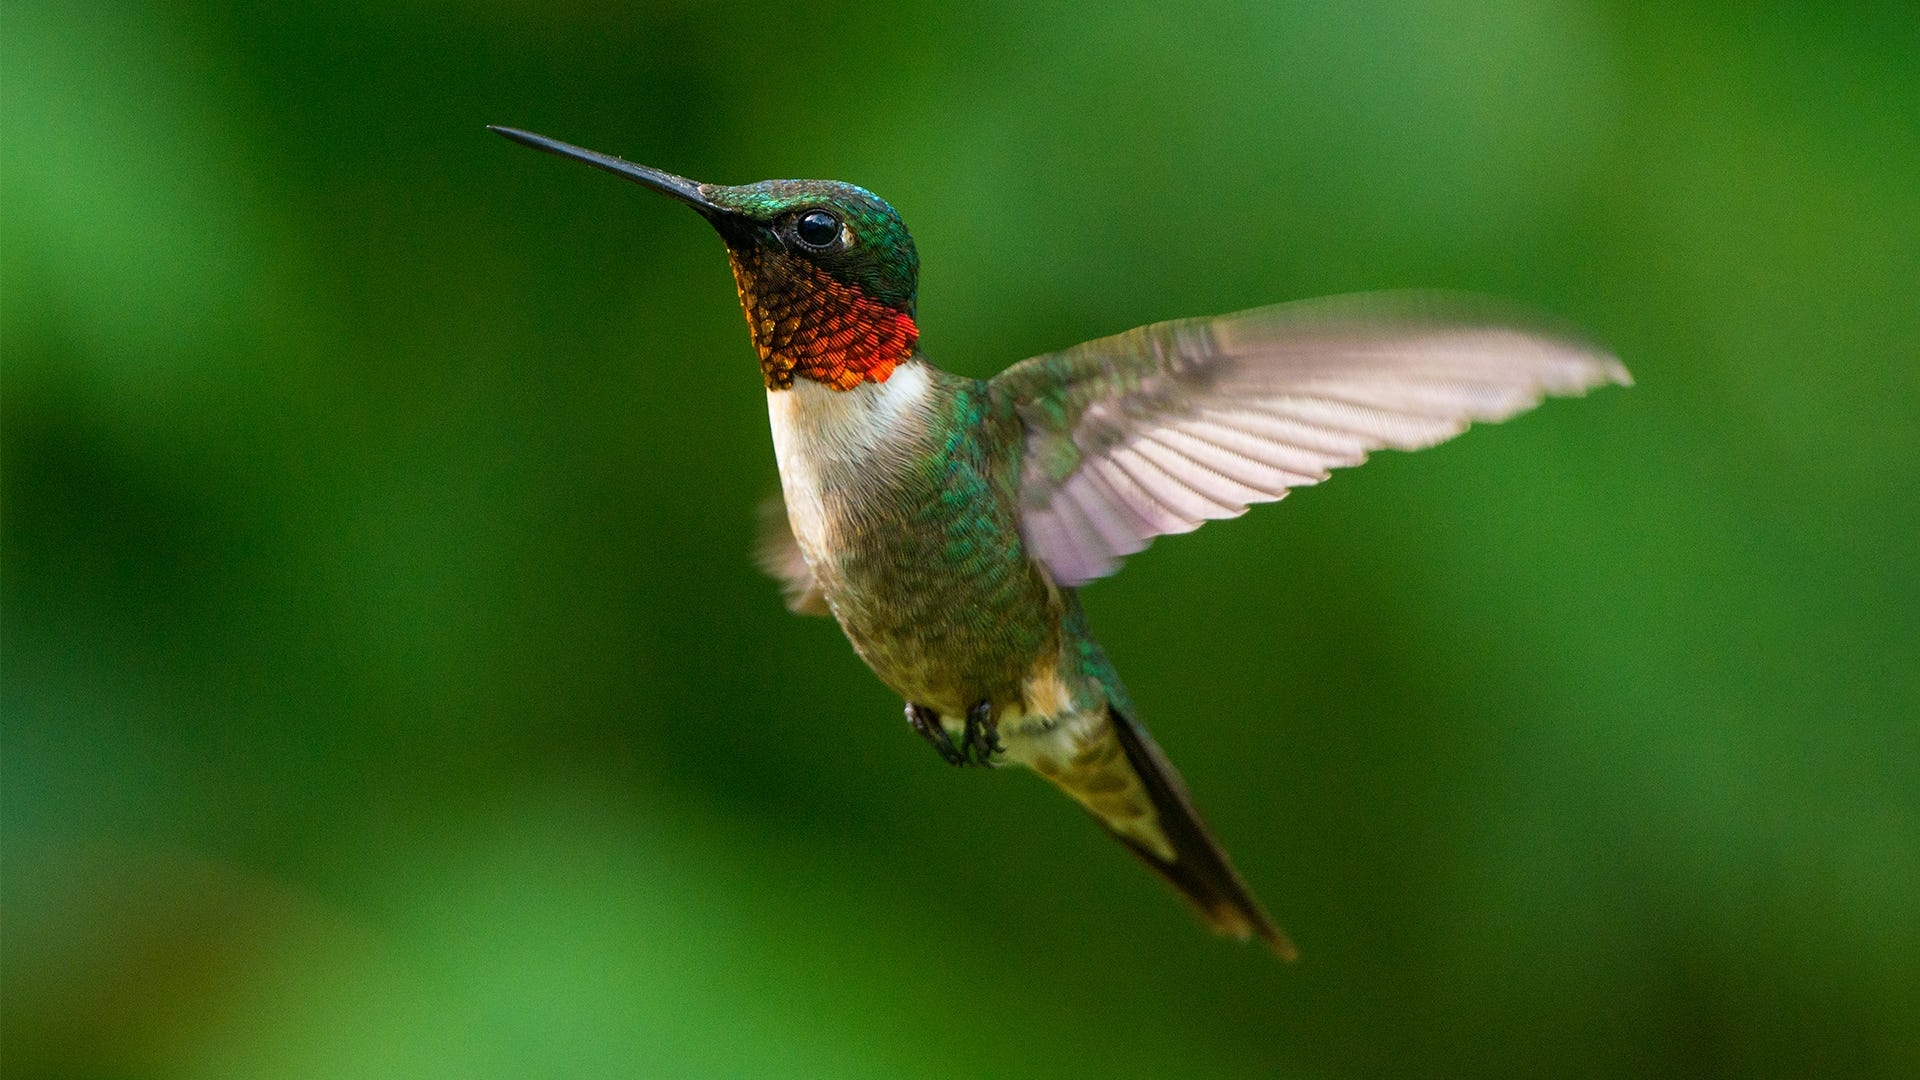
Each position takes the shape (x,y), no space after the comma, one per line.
(981,740)
(926,724)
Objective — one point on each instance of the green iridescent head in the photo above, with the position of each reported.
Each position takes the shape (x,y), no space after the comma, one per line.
(847,231)
(782,226)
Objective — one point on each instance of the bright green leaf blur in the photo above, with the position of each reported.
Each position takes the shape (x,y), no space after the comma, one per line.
(388,691)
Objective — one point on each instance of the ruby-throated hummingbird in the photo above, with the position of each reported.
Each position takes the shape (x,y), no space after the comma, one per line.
(946,522)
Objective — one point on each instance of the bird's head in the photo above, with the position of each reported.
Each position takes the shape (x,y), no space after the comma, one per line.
(826,271)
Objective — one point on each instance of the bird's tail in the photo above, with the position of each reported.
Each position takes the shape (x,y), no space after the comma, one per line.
(1120,775)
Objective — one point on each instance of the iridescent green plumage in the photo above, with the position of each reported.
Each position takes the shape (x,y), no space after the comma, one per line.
(884,265)
(945,521)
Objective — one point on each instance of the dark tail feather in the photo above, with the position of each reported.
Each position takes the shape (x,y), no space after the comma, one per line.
(1200,870)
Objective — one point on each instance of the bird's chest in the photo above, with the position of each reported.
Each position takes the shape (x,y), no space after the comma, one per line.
(849,461)
(893,507)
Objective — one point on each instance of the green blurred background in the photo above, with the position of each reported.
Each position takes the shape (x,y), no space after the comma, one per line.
(388,691)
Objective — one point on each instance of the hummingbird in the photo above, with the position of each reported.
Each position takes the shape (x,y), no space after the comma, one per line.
(948,522)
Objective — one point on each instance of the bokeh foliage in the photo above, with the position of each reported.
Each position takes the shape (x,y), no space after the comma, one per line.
(387,691)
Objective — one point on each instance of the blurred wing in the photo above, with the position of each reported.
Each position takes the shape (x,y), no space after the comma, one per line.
(778,554)
(1163,427)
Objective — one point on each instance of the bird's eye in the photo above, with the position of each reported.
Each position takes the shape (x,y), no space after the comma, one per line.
(817,228)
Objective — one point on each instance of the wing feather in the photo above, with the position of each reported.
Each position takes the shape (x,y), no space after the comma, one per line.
(778,555)
(1162,428)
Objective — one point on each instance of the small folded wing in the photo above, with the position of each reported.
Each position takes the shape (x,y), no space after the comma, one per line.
(778,555)
(1163,427)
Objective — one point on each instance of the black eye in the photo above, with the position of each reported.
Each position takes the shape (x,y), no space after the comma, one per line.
(817,228)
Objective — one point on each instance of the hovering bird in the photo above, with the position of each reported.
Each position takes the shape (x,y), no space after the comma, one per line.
(946,522)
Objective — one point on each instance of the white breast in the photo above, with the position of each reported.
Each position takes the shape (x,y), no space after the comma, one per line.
(822,437)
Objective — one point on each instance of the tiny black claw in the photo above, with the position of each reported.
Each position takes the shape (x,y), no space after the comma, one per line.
(981,740)
(926,724)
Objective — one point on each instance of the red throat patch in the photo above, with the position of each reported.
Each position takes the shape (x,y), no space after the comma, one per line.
(806,323)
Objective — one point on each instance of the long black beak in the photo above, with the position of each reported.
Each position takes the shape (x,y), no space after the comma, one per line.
(676,187)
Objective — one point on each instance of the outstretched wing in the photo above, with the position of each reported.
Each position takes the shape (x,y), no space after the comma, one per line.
(1163,427)
(778,554)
